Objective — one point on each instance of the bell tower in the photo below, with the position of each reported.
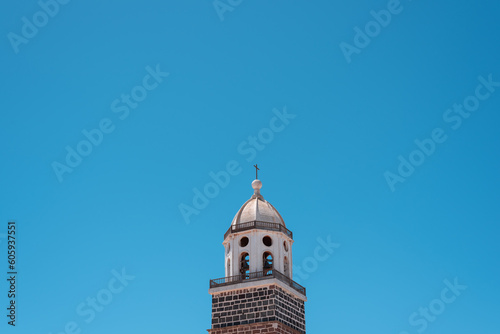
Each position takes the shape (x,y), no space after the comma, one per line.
(257,294)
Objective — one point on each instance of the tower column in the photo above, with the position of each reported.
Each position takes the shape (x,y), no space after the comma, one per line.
(258,294)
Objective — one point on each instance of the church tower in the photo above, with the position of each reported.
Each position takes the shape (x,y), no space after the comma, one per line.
(257,294)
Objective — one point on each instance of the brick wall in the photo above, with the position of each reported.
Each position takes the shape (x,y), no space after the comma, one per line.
(273,327)
(257,305)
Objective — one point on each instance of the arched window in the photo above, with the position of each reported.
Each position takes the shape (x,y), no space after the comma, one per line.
(245,266)
(228,267)
(286,267)
(268,263)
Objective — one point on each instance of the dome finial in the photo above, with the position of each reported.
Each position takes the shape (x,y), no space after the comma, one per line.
(256,185)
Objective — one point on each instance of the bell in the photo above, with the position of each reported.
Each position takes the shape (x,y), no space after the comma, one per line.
(267,265)
(245,266)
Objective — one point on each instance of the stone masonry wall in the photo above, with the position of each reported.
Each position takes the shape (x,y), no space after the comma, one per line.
(273,327)
(290,310)
(257,305)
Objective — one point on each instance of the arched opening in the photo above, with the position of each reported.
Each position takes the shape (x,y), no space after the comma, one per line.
(268,263)
(245,266)
(228,267)
(286,267)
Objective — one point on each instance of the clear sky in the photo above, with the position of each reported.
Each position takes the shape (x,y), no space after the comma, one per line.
(374,123)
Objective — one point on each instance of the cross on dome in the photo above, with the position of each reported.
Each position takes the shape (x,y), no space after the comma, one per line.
(256,171)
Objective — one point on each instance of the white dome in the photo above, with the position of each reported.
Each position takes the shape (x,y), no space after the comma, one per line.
(257,209)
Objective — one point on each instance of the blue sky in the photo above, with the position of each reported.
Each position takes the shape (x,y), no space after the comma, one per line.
(178,90)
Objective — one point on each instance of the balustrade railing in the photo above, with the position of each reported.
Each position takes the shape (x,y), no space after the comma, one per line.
(214,283)
(258,225)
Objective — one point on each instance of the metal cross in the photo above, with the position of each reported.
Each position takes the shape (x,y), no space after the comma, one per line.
(256,172)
